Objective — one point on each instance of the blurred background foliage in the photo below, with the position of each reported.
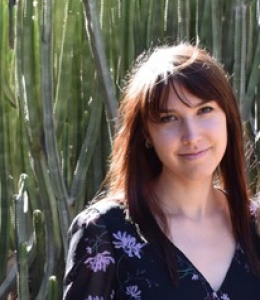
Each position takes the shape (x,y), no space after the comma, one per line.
(62,66)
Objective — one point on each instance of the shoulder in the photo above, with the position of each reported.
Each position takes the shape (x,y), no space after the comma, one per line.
(91,229)
(100,213)
(90,260)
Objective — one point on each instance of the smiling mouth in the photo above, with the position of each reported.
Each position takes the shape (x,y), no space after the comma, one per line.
(194,155)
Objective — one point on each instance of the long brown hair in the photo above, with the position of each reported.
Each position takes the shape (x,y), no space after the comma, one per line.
(133,166)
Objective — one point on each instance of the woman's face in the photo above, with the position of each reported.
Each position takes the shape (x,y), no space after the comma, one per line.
(190,141)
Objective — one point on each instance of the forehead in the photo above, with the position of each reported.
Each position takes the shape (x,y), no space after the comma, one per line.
(179,97)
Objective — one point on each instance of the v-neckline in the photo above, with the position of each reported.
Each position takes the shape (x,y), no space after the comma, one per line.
(229,269)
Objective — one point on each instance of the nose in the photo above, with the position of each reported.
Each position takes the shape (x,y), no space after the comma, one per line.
(191,132)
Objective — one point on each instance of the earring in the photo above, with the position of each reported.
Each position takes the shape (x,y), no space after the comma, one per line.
(147,144)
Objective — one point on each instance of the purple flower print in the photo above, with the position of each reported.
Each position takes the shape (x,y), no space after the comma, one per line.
(112,295)
(195,277)
(134,292)
(128,243)
(89,250)
(224,297)
(100,262)
(94,298)
(214,295)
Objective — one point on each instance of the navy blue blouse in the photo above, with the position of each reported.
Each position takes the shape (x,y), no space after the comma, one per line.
(109,259)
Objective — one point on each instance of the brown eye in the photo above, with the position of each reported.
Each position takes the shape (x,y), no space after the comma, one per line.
(168,119)
(205,110)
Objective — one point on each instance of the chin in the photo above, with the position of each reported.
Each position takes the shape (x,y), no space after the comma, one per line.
(198,176)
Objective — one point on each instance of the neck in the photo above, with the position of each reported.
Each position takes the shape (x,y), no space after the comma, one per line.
(192,200)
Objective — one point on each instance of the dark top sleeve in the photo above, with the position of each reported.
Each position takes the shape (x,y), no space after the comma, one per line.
(90,265)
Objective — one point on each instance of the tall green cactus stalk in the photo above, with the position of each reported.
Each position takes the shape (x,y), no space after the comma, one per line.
(53,288)
(50,139)
(21,226)
(78,188)
(23,272)
(97,44)
(4,195)
(37,269)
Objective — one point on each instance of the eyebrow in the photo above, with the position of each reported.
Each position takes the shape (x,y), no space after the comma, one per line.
(166,110)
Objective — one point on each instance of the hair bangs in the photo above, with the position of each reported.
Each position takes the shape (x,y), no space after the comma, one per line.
(197,85)
(157,99)
(202,82)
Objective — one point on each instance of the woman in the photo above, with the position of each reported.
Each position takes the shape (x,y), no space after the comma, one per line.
(175,222)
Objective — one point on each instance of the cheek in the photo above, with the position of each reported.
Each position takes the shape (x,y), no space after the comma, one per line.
(218,127)
(163,139)
(164,144)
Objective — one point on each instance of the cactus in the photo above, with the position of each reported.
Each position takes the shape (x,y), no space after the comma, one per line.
(53,288)
(22,236)
(37,266)
(23,272)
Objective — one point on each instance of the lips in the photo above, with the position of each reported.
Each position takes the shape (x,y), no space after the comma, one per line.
(194,155)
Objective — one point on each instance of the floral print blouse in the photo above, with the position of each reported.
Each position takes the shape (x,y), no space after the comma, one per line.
(109,259)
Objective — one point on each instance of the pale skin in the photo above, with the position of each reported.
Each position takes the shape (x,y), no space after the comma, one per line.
(190,142)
